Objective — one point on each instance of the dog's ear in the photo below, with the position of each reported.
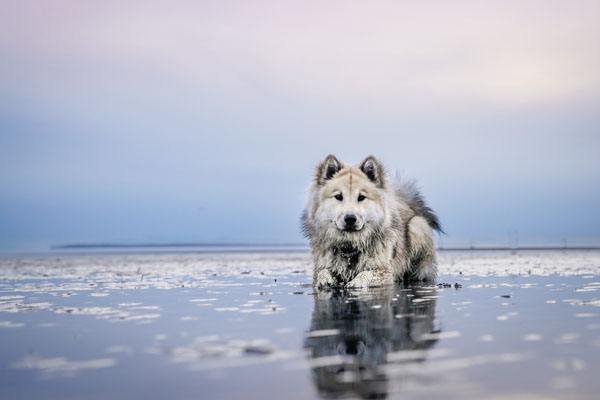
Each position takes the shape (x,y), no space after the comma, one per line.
(374,170)
(327,169)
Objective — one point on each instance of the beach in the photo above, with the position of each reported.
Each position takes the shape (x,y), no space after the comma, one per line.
(248,324)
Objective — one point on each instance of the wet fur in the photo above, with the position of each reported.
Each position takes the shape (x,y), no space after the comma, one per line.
(396,239)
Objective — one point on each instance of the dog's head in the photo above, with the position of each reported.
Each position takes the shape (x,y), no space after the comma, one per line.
(350,201)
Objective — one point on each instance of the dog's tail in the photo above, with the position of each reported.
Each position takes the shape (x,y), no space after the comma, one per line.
(410,193)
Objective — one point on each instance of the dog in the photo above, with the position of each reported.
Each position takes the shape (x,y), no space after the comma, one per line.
(365,231)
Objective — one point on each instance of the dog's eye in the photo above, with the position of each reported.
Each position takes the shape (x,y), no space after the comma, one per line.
(339,197)
(361,197)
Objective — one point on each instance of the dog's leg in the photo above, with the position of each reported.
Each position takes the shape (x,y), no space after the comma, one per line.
(427,272)
(323,278)
(370,278)
(423,266)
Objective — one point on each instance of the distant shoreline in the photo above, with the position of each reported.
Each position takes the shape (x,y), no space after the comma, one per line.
(241,248)
(512,248)
(168,245)
(108,246)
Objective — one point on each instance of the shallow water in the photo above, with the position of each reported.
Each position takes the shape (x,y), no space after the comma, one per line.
(223,326)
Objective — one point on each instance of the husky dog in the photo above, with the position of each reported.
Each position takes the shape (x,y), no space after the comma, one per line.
(363,231)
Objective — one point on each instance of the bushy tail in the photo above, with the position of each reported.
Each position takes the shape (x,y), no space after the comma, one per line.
(409,192)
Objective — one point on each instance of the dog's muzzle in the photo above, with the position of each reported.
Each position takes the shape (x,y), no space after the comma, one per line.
(350,223)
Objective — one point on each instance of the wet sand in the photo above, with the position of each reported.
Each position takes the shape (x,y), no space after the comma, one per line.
(249,325)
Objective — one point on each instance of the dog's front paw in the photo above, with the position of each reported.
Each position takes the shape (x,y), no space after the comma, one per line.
(324,279)
(427,273)
(364,279)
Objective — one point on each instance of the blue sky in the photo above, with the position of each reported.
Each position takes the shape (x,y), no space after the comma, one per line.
(188,121)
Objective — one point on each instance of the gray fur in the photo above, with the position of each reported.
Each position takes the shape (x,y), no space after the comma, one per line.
(394,241)
(374,170)
(327,169)
(409,191)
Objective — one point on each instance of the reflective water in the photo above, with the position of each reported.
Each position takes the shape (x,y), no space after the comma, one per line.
(354,338)
(71,332)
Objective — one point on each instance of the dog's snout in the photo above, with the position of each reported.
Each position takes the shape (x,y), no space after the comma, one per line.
(350,220)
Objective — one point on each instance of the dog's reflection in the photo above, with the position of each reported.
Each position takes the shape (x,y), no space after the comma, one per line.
(354,335)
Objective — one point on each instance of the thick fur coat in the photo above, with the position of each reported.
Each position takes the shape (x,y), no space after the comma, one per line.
(364,230)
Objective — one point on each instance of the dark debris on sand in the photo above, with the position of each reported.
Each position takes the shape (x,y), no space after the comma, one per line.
(443,285)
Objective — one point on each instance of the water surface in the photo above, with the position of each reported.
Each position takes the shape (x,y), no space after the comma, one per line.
(228,326)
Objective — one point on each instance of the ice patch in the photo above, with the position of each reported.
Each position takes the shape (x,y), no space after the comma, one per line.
(61,365)
(323,332)
(10,324)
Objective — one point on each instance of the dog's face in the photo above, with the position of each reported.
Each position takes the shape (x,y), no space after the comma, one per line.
(351,199)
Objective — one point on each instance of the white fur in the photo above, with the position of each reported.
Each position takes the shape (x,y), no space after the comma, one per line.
(392,237)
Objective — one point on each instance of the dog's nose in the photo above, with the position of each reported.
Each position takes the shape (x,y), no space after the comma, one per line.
(350,220)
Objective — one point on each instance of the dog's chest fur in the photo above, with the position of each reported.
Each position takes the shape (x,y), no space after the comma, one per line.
(347,262)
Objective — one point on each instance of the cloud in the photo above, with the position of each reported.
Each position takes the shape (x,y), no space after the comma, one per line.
(507,53)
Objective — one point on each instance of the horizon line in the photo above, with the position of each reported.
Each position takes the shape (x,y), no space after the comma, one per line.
(83,246)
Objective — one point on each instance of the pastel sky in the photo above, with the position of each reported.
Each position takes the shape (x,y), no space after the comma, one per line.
(169,121)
